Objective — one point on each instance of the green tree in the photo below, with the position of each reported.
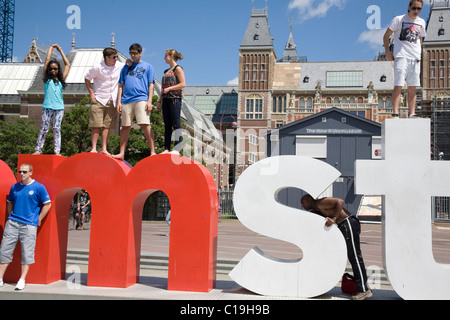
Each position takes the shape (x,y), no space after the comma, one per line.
(17,136)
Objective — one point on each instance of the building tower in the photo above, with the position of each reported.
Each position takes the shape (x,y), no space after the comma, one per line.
(436,77)
(257,60)
(436,58)
(7,12)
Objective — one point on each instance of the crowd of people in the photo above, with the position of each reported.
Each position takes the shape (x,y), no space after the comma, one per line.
(116,89)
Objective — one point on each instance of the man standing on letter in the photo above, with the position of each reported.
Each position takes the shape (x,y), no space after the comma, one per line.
(136,86)
(103,97)
(28,204)
(409,31)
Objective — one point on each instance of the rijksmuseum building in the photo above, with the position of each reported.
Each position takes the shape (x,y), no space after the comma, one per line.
(274,89)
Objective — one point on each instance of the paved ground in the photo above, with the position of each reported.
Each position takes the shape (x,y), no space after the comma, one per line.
(234,242)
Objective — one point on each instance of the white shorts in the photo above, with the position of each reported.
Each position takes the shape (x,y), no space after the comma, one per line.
(406,70)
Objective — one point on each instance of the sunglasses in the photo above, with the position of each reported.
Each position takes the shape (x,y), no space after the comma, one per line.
(416,8)
(23,172)
(53,69)
(114,57)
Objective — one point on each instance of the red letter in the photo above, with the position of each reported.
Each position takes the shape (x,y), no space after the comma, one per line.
(194,205)
(7,179)
(117,197)
(113,242)
(47,268)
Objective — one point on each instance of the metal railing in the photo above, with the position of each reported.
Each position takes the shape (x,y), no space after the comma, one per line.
(441,209)
(226,205)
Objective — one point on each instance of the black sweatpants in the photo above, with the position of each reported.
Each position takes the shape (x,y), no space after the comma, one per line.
(351,229)
(171,109)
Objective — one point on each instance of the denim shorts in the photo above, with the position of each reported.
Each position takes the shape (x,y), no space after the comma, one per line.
(406,70)
(15,231)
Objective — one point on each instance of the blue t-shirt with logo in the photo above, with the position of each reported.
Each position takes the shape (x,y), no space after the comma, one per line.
(53,98)
(27,200)
(136,80)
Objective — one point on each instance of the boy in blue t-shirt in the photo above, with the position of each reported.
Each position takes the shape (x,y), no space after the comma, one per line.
(136,86)
(28,204)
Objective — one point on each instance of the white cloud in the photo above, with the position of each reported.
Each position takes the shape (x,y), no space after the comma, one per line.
(374,38)
(233,82)
(309,9)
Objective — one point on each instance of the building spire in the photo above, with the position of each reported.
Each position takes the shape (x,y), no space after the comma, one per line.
(73,40)
(113,41)
(290,51)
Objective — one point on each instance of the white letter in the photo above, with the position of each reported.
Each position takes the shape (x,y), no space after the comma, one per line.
(74,21)
(324,249)
(374,21)
(408,179)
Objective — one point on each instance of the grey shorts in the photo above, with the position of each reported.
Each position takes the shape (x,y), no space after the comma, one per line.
(15,231)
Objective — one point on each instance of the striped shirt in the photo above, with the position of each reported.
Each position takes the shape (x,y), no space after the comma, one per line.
(170,79)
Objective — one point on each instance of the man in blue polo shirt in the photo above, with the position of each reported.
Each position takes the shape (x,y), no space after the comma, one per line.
(28,204)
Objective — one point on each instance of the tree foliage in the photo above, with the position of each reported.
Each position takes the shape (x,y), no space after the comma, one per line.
(17,137)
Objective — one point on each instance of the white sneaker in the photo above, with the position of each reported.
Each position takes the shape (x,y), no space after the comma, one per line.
(20,284)
(1,283)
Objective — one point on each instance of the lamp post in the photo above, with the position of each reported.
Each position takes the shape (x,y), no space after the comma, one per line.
(219,182)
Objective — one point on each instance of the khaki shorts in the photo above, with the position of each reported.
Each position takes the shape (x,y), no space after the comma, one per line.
(103,116)
(135,109)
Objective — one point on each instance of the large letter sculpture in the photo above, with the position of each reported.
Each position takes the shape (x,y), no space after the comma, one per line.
(408,180)
(118,194)
(7,179)
(49,266)
(194,216)
(114,242)
(324,249)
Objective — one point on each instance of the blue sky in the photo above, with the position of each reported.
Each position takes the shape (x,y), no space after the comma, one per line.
(209,32)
